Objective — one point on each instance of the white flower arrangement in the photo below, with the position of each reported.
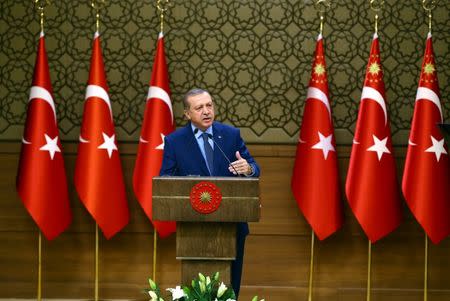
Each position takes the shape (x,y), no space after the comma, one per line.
(201,289)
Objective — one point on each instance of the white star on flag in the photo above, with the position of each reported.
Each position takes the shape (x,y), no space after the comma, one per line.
(324,144)
(108,144)
(379,147)
(437,148)
(161,146)
(51,146)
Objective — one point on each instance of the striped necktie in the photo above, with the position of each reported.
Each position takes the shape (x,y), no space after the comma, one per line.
(209,153)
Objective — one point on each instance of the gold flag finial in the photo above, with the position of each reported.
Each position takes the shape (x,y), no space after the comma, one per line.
(41,5)
(428,6)
(97,5)
(376,6)
(162,6)
(322,6)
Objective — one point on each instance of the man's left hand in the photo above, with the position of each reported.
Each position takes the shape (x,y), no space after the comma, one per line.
(240,165)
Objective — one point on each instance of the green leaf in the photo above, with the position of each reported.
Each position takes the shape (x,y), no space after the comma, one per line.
(255,298)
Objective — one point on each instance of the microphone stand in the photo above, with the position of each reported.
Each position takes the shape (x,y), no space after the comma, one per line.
(223,153)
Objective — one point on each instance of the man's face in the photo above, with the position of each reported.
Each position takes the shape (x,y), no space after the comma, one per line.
(201,111)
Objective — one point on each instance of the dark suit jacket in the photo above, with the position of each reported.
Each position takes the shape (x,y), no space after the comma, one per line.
(182,155)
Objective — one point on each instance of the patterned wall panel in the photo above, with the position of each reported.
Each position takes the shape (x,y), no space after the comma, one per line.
(253,56)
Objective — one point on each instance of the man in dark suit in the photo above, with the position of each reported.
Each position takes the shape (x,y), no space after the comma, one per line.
(196,149)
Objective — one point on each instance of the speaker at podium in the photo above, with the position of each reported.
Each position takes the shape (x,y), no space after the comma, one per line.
(207,210)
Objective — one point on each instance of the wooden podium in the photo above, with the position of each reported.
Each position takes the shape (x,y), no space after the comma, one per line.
(206,243)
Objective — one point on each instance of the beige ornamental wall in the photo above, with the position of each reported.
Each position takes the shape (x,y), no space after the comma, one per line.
(254,57)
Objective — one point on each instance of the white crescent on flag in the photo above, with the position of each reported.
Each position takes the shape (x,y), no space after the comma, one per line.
(25,141)
(411,143)
(428,94)
(157,92)
(82,140)
(41,93)
(372,94)
(142,140)
(319,95)
(97,91)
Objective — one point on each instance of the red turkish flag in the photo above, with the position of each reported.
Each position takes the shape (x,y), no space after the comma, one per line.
(426,179)
(315,179)
(98,171)
(41,177)
(371,186)
(158,123)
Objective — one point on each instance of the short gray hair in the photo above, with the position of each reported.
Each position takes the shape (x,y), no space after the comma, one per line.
(192,92)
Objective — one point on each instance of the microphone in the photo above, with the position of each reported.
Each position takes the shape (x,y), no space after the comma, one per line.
(175,170)
(223,153)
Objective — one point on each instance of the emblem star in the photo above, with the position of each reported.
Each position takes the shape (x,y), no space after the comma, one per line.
(161,146)
(108,144)
(437,148)
(379,146)
(51,146)
(374,68)
(324,144)
(429,68)
(319,69)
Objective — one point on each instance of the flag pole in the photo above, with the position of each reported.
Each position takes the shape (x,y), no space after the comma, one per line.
(311,267)
(96,4)
(161,9)
(369,270)
(39,288)
(155,240)
(96,263)
(425,278)
(375,5)
(322,6)
(41,4)
(428,6)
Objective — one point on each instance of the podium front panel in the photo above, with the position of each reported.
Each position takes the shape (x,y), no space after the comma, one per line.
(240,199)
(206,241)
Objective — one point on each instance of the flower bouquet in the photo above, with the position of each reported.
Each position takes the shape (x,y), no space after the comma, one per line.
(201,289)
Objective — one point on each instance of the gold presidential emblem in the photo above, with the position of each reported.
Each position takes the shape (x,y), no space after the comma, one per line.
(205,197)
